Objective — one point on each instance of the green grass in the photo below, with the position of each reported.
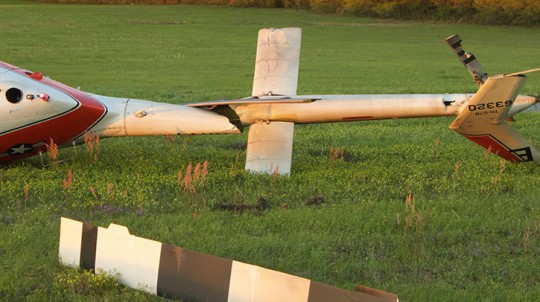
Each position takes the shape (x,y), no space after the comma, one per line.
(474,234)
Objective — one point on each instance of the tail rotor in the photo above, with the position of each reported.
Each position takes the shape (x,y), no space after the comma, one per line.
(482,120)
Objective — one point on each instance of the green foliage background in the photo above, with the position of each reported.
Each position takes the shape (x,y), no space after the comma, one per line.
(474,233)
(516,12)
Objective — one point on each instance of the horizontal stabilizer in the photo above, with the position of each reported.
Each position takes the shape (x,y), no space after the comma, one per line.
(277,61)
(269,148)
(482,121)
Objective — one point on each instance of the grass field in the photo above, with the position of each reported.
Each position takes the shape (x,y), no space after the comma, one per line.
(474,233)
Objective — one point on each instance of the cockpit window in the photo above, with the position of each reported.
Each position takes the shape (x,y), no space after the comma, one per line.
(14,95)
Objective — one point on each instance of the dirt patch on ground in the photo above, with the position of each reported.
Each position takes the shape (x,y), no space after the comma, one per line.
(260,206)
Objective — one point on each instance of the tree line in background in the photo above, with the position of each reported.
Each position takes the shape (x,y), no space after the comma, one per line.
(513,12)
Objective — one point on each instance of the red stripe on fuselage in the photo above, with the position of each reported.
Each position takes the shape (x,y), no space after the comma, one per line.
(495,146)
(7,66)
(357,118)
(62,128)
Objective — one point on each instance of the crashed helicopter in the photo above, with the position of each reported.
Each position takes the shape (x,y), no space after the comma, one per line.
(35,110)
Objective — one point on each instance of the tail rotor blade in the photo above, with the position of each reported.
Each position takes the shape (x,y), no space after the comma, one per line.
(468,60)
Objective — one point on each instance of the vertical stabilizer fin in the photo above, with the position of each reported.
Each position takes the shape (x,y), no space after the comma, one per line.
(482,121)
(269,148)
(468,59)
(277,61)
